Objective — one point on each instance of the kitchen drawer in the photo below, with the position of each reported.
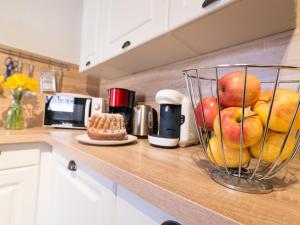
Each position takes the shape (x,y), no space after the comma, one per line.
(15,157)
(133,210)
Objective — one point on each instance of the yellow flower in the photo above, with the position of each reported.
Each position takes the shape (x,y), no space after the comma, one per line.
(20,81)
(32,85)
(1,79)
(11,83)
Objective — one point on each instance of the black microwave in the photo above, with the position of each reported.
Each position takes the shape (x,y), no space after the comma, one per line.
(70,110)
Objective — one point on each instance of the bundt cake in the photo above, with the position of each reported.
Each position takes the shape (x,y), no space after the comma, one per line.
(106,126)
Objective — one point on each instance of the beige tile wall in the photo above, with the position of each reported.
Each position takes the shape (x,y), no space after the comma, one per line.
(282,48)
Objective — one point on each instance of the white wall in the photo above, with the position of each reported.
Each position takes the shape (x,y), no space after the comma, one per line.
(46,27)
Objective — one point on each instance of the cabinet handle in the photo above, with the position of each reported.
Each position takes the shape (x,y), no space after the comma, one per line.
(126,44)
(72,166)
(88,63)
(207,2)
(170,222)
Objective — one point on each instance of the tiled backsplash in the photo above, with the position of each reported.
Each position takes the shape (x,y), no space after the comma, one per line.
(282,48)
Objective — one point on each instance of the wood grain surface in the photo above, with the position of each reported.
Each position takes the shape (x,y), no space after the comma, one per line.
(176,180)
(73,82)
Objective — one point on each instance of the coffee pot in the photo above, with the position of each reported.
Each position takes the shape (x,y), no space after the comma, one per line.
(176,125)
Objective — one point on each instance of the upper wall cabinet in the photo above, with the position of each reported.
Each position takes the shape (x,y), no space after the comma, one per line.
(185,11)
(130,23)
(90,49)
(239,22)
(135,35)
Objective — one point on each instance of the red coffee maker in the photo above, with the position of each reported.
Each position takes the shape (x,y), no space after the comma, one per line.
(122,101)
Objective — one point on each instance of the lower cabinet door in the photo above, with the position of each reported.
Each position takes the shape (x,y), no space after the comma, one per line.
(133,210)
(80,197)
(18,195)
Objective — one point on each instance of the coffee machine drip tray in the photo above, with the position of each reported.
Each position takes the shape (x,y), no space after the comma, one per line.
(162,141)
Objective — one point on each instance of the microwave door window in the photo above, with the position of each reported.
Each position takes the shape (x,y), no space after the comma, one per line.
(63,104)
(66,110)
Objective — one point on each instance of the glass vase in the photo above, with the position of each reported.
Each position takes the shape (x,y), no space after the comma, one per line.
(15,119)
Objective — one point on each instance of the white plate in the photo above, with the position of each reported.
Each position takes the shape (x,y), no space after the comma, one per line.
(84,138)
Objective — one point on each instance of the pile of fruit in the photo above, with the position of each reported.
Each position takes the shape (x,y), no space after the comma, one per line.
(257,105)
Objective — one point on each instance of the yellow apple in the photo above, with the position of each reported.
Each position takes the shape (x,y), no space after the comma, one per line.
(231,155)
(273,145)
(231,120)
(284,106)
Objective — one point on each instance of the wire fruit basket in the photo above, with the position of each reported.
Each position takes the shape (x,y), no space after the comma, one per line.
(248,121)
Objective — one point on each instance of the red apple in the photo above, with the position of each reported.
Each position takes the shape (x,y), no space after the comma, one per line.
(210,109)
(231,121)
(231,89)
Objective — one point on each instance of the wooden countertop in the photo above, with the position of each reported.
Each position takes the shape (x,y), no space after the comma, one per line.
(175,180)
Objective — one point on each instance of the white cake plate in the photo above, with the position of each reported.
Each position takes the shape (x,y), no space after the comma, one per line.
(84,138)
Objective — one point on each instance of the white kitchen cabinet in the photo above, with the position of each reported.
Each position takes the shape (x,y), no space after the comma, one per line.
(133,210)
(19,176)
(240,21)
(140,35)
(92,28)
(185,11)
(131,23)
(80,196)
(17,156)
(18,195)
